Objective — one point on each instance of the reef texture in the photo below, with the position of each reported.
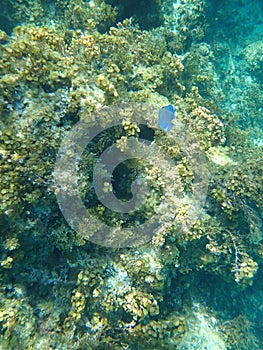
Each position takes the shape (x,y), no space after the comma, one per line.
(193,288)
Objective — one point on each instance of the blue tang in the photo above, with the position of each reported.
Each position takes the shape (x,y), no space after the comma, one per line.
(165,117)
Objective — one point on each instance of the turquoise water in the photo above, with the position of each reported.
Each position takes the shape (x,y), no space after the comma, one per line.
(119,231)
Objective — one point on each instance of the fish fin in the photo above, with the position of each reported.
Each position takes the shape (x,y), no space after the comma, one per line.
(170,126)
(169,108)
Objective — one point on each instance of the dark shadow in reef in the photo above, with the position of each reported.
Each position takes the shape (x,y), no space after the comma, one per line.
(148,14)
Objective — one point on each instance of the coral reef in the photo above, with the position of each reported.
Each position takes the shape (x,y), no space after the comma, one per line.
(60,63)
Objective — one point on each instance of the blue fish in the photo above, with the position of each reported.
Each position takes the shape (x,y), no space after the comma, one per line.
(165,117)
